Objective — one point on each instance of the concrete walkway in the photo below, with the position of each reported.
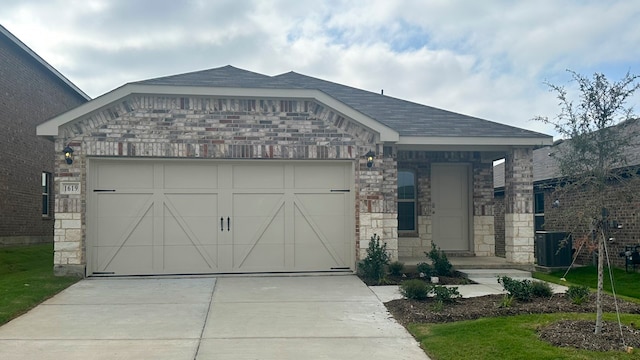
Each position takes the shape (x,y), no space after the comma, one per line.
(486,283)
(303,317)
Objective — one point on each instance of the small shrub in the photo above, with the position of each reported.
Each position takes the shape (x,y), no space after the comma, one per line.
(415,289)
(424,268)
(578,294)
(541,289)
(437,306)
(507,301)
(441,265)
(444,294)
(372,266)
(395,268)
(520,289)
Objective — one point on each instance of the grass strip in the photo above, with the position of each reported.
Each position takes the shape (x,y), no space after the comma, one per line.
(26,279)
(511,337)
(627,283)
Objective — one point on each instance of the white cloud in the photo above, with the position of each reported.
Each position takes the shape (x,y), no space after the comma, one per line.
(483,58)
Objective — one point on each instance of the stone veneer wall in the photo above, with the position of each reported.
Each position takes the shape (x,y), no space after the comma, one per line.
(220,128)
(377,207)
(518,217)
(414,245)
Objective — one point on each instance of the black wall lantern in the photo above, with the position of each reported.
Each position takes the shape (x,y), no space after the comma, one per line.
(68,154)
(370,155)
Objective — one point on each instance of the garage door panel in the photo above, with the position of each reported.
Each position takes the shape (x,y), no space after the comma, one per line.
(131,232)
(190,259)
(330,229)
(320,176)
(190,231)
(309,236)
(283,217)
(259,257)
(323,204)
(192,205)
(190,176)
(266,230)
(121,205)
(125,174)
(256,204)
(125,259)
(257,176)
(313,257)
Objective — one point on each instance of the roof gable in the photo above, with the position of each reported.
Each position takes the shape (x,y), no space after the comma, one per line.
(41,61)
(405,117)
(397,120)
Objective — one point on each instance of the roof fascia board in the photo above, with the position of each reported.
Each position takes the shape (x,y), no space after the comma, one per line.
(50,128)
(42,62)
(474,141)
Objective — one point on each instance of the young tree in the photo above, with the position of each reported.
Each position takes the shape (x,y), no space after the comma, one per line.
(601,130)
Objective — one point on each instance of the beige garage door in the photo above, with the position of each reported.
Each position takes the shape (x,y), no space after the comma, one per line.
(188,217)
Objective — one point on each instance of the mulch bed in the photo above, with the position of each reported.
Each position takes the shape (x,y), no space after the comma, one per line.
(456,278)
(578,334)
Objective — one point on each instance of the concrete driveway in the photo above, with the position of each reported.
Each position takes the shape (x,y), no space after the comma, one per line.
(301,317)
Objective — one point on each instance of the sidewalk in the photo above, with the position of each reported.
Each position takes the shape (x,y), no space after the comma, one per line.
(484,285)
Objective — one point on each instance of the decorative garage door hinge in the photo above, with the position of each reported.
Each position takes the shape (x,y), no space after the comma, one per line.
(340,190)
(103,190)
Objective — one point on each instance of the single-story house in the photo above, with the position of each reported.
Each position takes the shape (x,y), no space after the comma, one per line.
(31,91)
(231,171)
(548,208)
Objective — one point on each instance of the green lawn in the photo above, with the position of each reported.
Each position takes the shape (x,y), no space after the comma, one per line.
(26,279)
(512,337)
(626,284)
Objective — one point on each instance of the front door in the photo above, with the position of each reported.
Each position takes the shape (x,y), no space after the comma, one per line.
(450,206)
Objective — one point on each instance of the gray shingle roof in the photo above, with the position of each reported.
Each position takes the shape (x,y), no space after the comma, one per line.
(405,117)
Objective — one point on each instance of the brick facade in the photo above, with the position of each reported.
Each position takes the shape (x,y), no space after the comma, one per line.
(623,206)
(498,204)
(31,94)
(518,215)
(222,128)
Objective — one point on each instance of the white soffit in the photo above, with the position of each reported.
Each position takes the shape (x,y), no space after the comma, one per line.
(406,141)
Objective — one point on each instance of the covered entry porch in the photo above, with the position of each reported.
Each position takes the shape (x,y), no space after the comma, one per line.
(445,197)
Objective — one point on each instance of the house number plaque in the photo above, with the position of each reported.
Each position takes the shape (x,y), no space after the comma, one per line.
(70,188)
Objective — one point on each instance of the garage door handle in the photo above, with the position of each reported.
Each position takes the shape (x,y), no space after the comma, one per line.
(228,223)
(221,224)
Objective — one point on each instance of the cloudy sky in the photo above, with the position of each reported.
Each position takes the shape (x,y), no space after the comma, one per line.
(488,59)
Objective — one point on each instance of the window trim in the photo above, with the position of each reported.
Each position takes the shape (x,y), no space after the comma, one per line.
(414,201)
(538,213)
(45,187)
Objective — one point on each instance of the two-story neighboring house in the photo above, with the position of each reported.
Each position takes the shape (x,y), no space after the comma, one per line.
(31,91)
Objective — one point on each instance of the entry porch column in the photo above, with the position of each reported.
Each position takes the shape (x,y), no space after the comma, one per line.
(518,218)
